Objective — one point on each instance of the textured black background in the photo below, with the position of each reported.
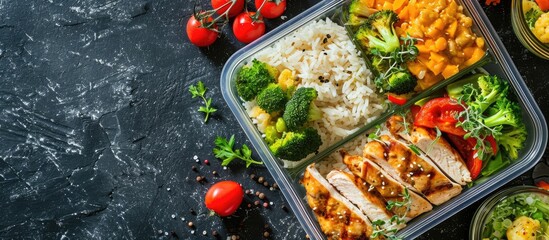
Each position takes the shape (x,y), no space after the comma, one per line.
(98,130)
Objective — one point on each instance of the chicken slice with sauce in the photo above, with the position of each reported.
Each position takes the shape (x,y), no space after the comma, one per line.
(387,187)
(403,163)
(436,148)
(367,199)
(338,218)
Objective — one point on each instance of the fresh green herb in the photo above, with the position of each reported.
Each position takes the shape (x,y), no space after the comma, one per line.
(404,114)
(509,209)
(224,151)
(200,91)
(532,16)
(380,231)
(375,135)
(414,149)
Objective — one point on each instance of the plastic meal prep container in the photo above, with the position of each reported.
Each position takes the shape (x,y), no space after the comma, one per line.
(496,61)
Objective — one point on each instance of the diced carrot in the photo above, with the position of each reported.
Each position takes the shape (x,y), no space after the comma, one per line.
(387,5)
(437,57)
(451,30)
(436,67)
(422,48)
(398,5)
(440,44)
(429,43)
(415,68)
(413,12)
(404,14)
(439,24)
(449,71)
(477,55)
(468,52)
(370,3)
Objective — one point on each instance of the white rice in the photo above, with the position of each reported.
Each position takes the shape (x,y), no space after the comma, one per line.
(348,100)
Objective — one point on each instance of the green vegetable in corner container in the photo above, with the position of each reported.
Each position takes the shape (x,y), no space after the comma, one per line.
(521,216)
(358,13)
(251,79)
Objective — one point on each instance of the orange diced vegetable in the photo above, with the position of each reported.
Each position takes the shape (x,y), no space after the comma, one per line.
(437,57)
(387,6)
(451,30)
(397,5)
(440,44)
(404,15)
(450,70)
(477,55)
(415,68)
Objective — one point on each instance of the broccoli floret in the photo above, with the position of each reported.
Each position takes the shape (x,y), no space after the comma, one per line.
(503,112)
(252,79)
(360,8)
(512,140)
(400,82)
(301,108)
(280,125)
(532,16)
(378,34)
(379,64)
(272,98)
(271,134)
(491,89)
(355,20)
(297,145)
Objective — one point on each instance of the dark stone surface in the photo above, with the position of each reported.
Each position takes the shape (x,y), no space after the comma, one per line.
(98,130)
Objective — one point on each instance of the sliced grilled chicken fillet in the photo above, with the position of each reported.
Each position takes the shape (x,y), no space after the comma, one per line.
(389,188)
(437,148)
(358,191)
(338,218)
(402,163)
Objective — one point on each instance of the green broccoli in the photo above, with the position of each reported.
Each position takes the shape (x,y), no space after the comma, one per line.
(512,140)
(359,12)
(355,20)
(271,134)
(379,65)
(280,125)
(532,16)
(272,98)
(503,112)
(252,79)
(297,145)
(479,90)
(399,82)
(377,34)
(301,108)
(491,88)
(360,8)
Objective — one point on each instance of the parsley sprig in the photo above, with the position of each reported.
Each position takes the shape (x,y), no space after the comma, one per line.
(200,91)
(224,151)
(379,230)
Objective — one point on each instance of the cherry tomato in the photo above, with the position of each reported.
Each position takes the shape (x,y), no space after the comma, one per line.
(200,35)
(271,8)
(543,4)
(440,113)
(415,110)
(233,6)
(493,144)
(461,145)
(224,198)
(246,29)
(398,100)
(543,184)
(474,164)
